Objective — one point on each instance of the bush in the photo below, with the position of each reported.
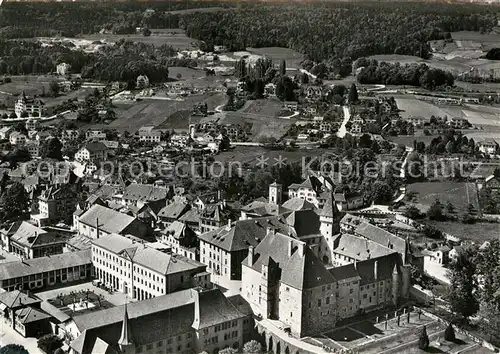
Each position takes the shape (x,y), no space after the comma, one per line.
(49,343)
(423,341)
(13,349)
(449,333)
(252,347)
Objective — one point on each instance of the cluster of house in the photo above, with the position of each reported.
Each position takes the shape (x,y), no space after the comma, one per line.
(456,122)
(299,261)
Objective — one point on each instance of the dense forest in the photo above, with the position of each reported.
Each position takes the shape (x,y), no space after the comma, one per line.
(331,35)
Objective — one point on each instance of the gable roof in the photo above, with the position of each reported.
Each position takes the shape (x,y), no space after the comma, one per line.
(359,248)
(144,192)
(110,221)
(16,298)
(31,314)
(214,308)
(173,210)
(381,236)
(148,257)
(298,204)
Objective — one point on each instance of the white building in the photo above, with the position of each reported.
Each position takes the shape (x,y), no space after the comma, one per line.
(17,138)
(149,134)
(92,151)
(63,69)
(143,272)
(488,146)
(31,105)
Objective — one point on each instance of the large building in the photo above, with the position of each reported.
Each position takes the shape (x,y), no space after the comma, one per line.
(284,280)
(30,106)
(46,272)
(55,204)
(190,321)
(95,150)
(100,221)
(142,272)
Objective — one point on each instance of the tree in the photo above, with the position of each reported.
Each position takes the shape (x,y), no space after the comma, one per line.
(52,149)
(412,212)
(449,333)
(283,67)
(435,211)
(13,349)
(146,32)
(49,343)
(252,347)
(14,202)
(54,88)
(450,209)
(381,192)
(423,340)
(462,297)
(353,94)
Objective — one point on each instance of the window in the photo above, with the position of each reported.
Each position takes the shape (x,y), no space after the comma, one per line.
(319,302)
(351,291)
(159,344)
(327,300)
(139,349)
(149,346)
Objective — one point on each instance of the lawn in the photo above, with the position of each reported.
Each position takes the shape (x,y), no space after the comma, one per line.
(277,54)
(155,112)
(460,194)
(478,232)
(411,107)
(174,37)
(268,107)
(185,73)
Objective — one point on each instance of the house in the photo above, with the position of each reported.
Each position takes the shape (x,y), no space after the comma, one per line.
(190,321)
(17,138)
(100,221)
(22,311)
(488,146)
(142,82)
(149,134)
(28,241)
(92,151)
(270,90)
(46,272)
(63,69)
(291,105)
(151,272)
(55,204)
(30,106)
(312,189)
(32,124)
(5,132)
(172,212)
(95,134)
(33,147)
(356,128)
(459,123)
(418,121)
(138,194)
(181,238)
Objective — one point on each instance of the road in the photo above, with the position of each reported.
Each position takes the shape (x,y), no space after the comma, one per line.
(347,115)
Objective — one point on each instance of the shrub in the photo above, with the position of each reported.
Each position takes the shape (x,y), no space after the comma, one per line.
(449,333)
(423,340)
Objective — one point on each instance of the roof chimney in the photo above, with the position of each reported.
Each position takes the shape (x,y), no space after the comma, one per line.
(375,270)
(250,255)
(355,264)
(290,248)
(229,224)
(97,227)
(196,295)
(302,249)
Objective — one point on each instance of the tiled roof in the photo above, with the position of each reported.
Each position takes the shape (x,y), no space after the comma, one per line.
(359,248)
(304,222)
(95,146)
(16,298)
(381,236)
(330,208)
(149,257)
(44,264)
(173,210)
(110,221)
(298,204)
(243,233)
(263,208)
(214,308)
(144,192)
(31,314)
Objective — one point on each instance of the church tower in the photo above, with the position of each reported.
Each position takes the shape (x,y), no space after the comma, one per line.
(275,193)
(329,219)
(125,341)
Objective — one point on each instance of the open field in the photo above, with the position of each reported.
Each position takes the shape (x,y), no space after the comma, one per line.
(411,107)
(175,37)
(292,58)
(460,194)
(185,73)
(478,232)
(469,39)
(134,115)
(268,107)
(249,154)
(407,140)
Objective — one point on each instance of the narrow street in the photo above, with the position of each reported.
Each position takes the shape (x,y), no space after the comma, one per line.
(347,115)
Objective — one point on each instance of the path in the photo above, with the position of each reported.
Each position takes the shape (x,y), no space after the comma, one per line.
(347,115)
(43,119)
(295,114)
(304,71)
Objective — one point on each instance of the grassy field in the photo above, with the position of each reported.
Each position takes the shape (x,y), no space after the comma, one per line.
(411,107)
(457,193)
(186,73)
(175,37)
(478,232)
(156,112)
(269,107)
(292,58)
(201,9)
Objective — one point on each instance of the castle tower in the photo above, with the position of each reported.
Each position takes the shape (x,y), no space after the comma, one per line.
(125,341)
(395,285)
(275,193)
(329,219)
